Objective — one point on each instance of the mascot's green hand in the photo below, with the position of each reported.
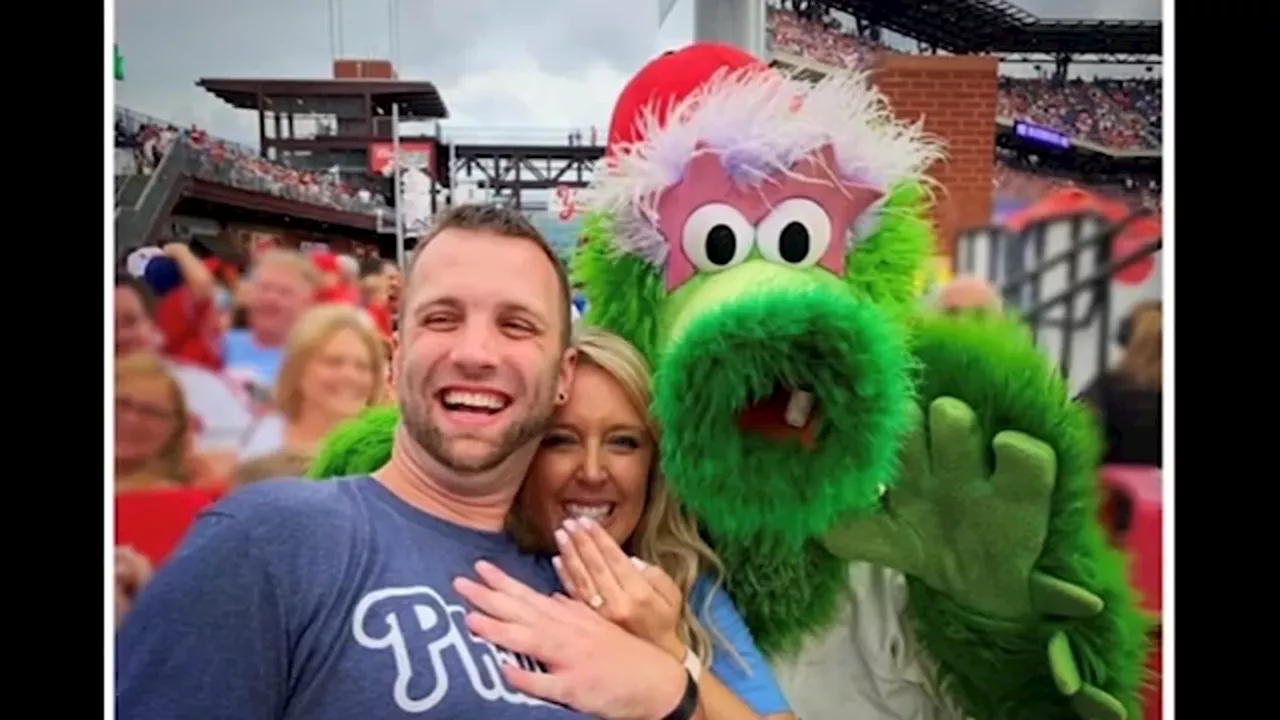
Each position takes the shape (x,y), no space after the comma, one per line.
(974,528)
(952,522)
(1089,701)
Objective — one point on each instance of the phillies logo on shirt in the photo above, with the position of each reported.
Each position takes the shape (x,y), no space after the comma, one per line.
(432,649)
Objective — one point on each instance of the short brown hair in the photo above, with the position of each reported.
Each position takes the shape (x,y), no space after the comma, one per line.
(282,463)
(148,298)
(507,222)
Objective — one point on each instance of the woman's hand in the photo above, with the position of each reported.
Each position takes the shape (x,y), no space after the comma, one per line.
(625,590)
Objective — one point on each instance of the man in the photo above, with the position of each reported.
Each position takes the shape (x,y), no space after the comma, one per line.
(337,600)
(282,285)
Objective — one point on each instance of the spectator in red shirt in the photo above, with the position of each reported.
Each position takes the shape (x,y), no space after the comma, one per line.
(186,313)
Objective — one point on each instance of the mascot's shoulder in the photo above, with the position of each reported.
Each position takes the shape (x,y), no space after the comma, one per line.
(359,446)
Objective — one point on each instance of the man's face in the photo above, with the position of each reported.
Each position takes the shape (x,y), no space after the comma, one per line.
(480,360)
(278,296)
(134,330)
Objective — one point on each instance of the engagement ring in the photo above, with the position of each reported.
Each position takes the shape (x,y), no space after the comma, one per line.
(595,601)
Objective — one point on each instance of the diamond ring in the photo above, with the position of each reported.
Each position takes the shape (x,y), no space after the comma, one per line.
(595,601)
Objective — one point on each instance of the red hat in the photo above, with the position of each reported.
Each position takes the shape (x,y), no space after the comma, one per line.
(670,78)
(325,262)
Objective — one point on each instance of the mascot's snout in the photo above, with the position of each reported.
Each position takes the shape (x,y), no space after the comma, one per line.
(761,358)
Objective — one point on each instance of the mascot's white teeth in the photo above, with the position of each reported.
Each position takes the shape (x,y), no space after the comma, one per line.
(799,407)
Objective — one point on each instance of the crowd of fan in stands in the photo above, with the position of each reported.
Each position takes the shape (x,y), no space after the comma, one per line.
(1118,114)
(142,143)
(220,367)
(1013,181)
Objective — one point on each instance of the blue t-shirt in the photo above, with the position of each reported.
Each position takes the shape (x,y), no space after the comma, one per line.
(298,600)
(247,362)
(743,670)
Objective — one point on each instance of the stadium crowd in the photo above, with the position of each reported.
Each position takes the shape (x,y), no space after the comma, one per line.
(1015,182)
(1118,114)
(142,142)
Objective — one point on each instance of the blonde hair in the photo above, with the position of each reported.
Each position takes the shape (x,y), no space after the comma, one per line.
(1144,355)
(170,462)
(290,260)
(666,535)
(315,328)
(283,463)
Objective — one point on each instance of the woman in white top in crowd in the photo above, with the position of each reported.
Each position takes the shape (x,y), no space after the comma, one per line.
(333,367)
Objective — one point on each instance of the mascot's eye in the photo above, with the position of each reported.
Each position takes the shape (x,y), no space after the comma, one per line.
(796,233)
(716,237)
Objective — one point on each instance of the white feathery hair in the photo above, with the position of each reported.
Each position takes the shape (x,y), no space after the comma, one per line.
(760,125)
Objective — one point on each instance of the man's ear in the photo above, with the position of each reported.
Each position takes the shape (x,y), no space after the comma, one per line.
(568,366)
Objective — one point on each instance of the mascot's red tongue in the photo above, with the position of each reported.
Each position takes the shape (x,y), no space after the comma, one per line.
(768,418)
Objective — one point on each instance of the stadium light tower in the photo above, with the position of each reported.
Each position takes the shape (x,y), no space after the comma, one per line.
(740,23)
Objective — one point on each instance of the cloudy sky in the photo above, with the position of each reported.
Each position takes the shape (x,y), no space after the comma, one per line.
(508,69)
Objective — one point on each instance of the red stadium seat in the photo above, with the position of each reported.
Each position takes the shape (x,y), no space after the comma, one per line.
(154,521)
(1133,511)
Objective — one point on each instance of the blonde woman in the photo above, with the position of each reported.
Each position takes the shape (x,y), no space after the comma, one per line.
(594,500)
(153,428)
(1128,399)
(333,367)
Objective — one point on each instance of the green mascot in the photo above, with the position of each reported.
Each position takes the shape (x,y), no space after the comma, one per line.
(905,504)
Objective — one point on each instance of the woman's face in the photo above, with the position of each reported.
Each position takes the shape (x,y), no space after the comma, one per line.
(146,418)
(339,380)
(594,461)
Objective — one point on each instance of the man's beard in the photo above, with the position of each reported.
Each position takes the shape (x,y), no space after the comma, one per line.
(415,415)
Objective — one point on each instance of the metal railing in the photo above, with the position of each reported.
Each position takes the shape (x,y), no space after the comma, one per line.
(1023,291)
(135,223)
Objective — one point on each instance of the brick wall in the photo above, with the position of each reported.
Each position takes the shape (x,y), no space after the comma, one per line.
(956,96)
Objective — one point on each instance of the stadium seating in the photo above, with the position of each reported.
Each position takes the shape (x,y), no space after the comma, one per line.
(142,141)
(1118,114)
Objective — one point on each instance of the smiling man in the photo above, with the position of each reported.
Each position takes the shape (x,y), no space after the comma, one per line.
(328,601)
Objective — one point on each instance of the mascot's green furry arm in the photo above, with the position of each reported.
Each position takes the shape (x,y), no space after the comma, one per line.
(863,471)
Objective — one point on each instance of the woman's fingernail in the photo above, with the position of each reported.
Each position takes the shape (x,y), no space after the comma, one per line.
(586,522)
(640,564)
(571,525)
(555,562)
(562,537)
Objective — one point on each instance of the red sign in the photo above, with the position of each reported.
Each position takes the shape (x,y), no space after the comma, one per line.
(417,155)
(1136,235)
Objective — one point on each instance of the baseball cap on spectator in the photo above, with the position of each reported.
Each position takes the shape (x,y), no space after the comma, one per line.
(136,262)
(325,262)
(334,288)
(162,275)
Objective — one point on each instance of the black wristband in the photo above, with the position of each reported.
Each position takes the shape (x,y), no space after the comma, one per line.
(688,702)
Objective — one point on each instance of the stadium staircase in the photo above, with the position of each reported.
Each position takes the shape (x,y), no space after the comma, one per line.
(1059,274)
(142,201)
